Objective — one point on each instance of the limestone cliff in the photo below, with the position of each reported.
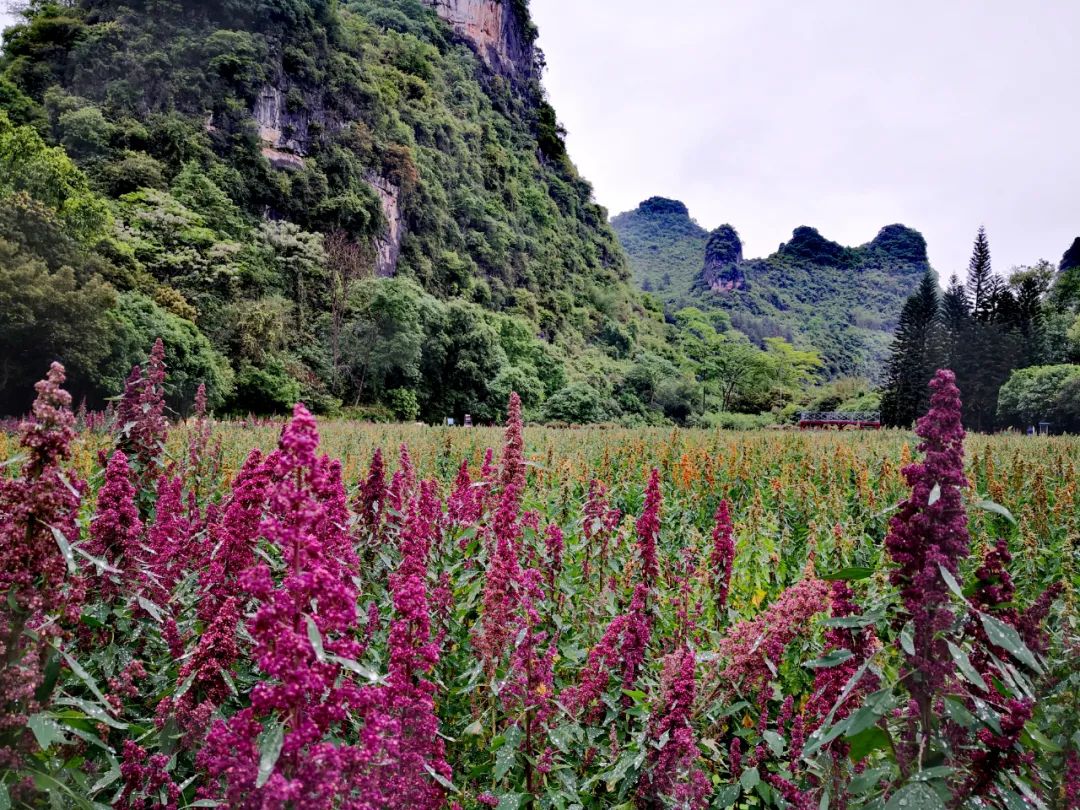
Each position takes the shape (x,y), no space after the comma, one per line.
(499,30)
(723,261)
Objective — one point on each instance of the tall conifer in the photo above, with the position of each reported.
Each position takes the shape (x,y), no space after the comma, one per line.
(981,285)
(916,355)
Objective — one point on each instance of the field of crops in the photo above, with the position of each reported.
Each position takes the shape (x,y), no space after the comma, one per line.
(218,614)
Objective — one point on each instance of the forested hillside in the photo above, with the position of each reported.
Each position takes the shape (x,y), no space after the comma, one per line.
(350,203)
(840,300)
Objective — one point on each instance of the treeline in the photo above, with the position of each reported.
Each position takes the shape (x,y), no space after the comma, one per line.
(1012,342)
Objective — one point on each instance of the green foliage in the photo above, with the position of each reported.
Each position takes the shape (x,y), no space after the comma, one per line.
(1042,394)
(137,322)
(136,126)
(48,313)
(265,389)
(576,404)
(404,404)
(843,301)
(48,175)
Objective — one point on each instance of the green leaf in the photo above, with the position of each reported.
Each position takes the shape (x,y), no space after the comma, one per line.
(1041,739)
(315,637)
(907,638)
(937,772)
(562,737)
(935,495)
(46,730)
(853,574)
(84,676)
(151,608)
(867,780)
(511,801)
(1005,636)
(775,742)
(749,779)
(915,796)
(830,660)
(5,798)
(65,549)
(504,760)
(950,580)
(873,709)
(106,780)
(958,713)
(93,710)
(726,796)
(966,667)
(996,508)
(866,742)
(358,668)
(270,743)
(852,622)
(442,780)
(475,728)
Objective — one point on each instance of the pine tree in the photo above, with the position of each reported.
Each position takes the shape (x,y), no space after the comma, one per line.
(981,282)
(916,355)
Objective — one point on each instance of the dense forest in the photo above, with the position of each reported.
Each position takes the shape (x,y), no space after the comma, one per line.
(1014,344)
(334,202)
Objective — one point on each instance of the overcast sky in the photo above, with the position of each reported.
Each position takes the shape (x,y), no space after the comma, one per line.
(846,115)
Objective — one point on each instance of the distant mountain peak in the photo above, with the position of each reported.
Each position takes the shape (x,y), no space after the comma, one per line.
(903,243)
(807,244)
(723,270)
(1071,258)
(843,300)
(662,206)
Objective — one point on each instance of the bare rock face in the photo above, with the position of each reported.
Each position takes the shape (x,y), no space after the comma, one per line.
(495,30)
(723,271)
(1071,259)
(388,245)
(285,134)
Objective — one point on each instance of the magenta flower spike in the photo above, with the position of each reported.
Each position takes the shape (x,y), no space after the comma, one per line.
(930,533)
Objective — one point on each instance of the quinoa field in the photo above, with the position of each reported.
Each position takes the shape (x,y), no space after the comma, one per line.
(309,614)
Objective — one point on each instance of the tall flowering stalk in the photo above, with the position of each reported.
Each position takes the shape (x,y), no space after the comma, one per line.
(648,530)
(528,695)
(37,510)
(304,625)
(672,776)
(721,557)
(409,698)
(116,532)
(370,502)
(754,647)
(466,502)
(205,671)
(930,533)
(233,535)
(141,420)
(502,581)
(512,471)
(600,523)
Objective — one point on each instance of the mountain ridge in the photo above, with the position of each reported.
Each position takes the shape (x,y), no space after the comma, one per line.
(781,294)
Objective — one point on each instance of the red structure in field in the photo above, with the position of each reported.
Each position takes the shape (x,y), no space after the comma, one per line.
(822,420)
